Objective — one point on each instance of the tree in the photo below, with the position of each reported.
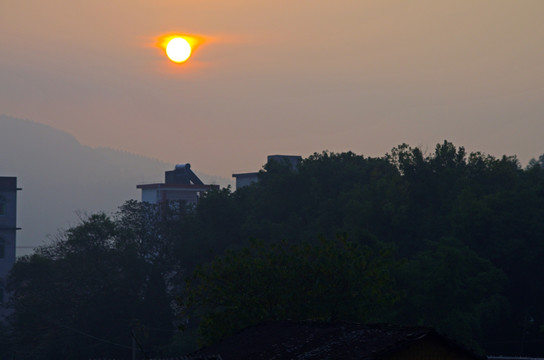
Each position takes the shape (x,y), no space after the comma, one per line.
(330,280)
(449,287)
(90,292)
(467,229)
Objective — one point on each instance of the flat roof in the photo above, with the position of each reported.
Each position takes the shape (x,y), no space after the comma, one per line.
(245,174)
(8,183)
(177,186)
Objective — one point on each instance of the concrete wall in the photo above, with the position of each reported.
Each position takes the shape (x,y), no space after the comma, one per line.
(155,195)
(8,229)
(150,196)
(245,179)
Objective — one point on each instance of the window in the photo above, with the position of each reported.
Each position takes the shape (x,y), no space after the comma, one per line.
(1,292)
(2,206)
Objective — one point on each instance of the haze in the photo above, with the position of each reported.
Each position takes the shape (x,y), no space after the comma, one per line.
(64,181)
(289,77)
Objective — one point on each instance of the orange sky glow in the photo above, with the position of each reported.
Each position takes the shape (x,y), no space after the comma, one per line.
(194,41)
(278,77)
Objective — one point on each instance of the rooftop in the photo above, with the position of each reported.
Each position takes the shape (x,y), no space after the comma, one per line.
(311,340)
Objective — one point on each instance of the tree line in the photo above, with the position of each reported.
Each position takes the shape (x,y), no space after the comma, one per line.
(446,239)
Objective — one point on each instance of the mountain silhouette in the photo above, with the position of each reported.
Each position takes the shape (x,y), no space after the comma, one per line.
(63,180)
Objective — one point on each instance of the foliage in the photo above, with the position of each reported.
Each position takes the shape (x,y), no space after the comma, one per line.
(419,204)
(328,280)
(466,229)
(448,275)
(90,292)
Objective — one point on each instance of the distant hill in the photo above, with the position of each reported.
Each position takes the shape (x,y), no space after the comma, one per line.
(62,178)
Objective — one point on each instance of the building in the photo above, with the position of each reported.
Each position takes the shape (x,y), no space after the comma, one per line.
(291,160)
(319,340)
(246,179)
(8,229)
(180,184)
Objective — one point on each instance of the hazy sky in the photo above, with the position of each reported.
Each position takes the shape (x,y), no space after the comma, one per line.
(278,77)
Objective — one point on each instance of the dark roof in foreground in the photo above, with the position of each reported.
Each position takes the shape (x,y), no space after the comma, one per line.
(310,340)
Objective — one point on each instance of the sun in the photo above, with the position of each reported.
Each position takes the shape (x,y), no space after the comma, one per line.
(178,50)
(179,47)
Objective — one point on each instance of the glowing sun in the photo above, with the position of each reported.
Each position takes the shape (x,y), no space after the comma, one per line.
(178,50)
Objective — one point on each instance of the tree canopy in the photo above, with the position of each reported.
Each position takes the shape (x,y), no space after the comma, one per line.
(327,280)
(445,239)
(99,288)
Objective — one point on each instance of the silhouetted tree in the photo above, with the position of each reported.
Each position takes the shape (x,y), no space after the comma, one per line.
(327,280)
(81,296)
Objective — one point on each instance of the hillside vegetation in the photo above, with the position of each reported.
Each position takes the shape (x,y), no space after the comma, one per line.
(447,239)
